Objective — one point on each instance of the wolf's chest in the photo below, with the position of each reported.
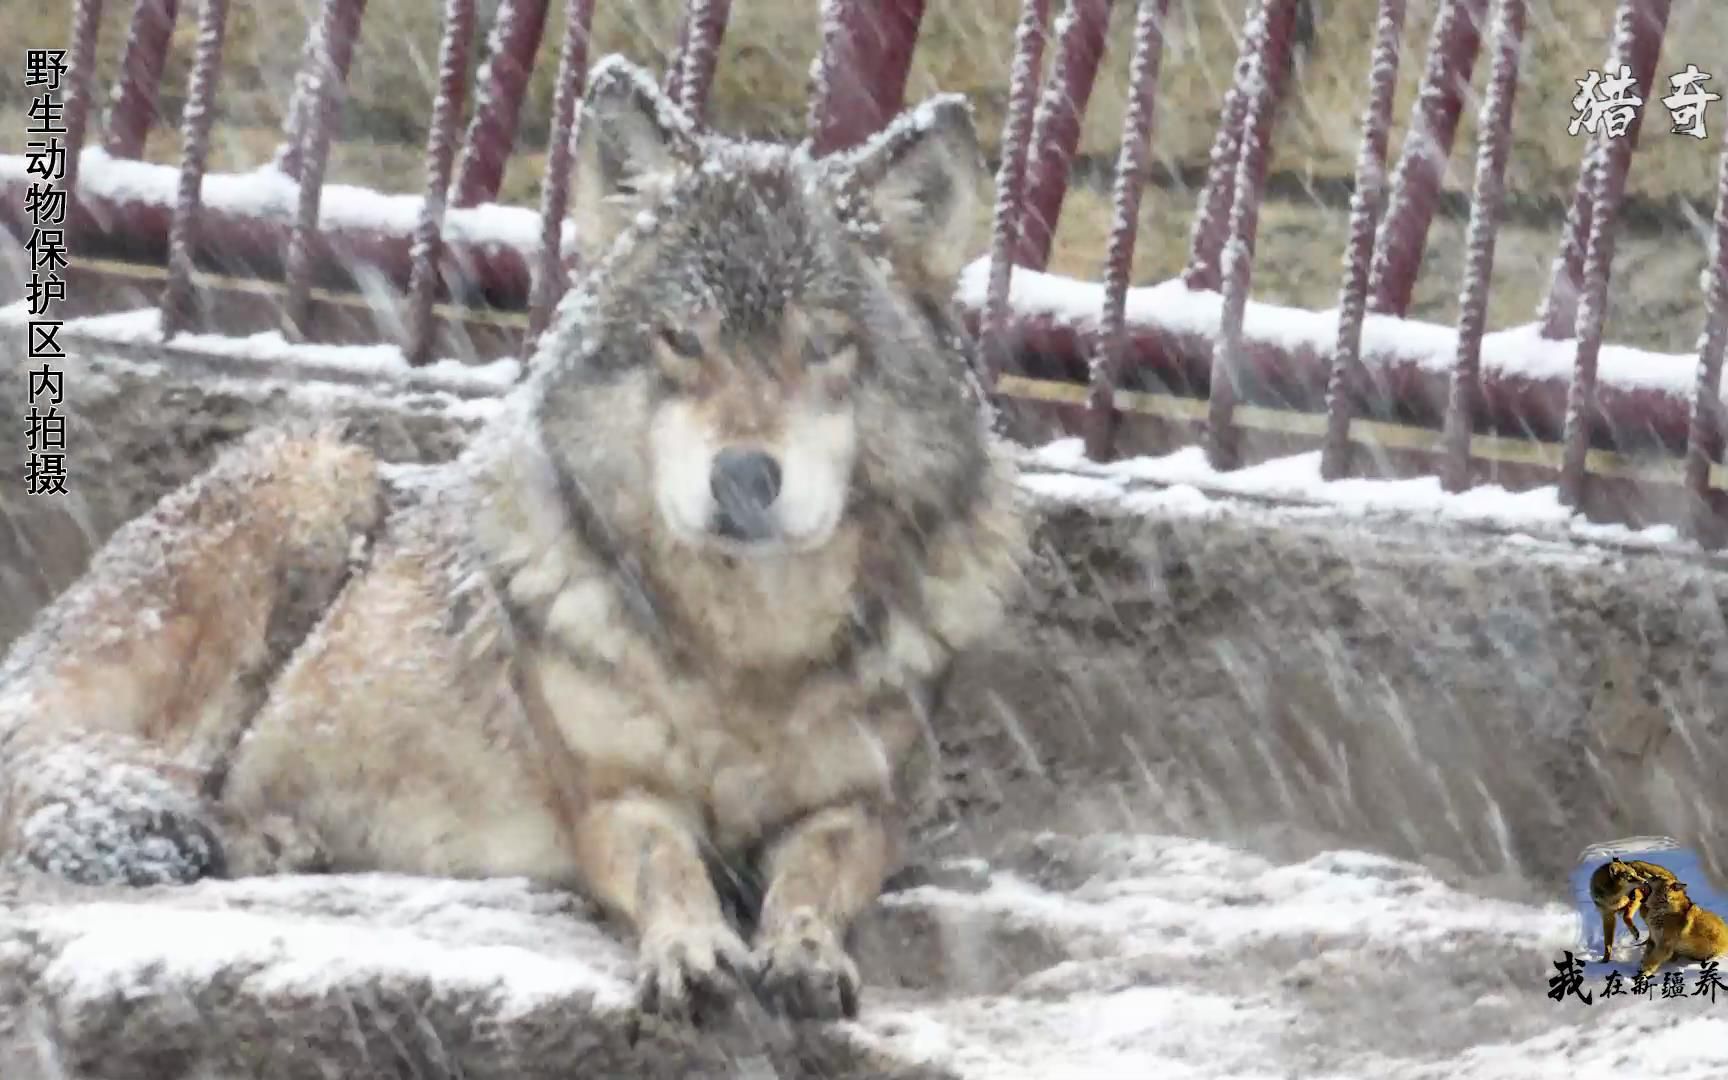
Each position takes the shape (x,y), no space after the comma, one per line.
(737,767)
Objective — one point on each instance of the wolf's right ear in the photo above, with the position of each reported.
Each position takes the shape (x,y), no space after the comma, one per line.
(922,175)
(631,141)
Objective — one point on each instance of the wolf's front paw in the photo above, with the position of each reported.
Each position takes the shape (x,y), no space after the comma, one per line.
(96,844)
(801,970)
(690,971)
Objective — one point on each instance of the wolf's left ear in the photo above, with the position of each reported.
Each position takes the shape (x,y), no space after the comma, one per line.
(631,139)
(922,175)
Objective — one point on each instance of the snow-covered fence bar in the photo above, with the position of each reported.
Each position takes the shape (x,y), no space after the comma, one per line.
(1452,49)
(1494,146)
(1366,205)
(440,159)
(1010,180)
(321,85)
(548,283)
(1639,26)
(1130,165)
(134,110)
(80,92)
(1080,33)
(1268,39)
(515,38)
(178,299)
(860,74)
(328,54)
(1610,187)
(704,26)
(1212,216)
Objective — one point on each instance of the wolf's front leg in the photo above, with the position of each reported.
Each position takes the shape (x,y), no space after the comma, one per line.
(641,860)
(1656,953)
(820,875)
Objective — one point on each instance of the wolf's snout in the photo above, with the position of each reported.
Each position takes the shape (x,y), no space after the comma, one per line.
(745,484)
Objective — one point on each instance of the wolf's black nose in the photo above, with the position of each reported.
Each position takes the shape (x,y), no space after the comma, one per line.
(745,484)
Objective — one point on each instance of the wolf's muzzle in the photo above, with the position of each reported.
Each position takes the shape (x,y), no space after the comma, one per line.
(745,484)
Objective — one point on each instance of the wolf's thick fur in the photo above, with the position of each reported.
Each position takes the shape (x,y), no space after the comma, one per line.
(682,609)
(1621,887)
(1680,929)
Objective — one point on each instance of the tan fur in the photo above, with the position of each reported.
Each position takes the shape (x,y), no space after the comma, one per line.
(1679,929)
(1621,887)
(486,697)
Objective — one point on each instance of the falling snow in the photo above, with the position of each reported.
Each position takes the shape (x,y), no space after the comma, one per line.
(1171,852)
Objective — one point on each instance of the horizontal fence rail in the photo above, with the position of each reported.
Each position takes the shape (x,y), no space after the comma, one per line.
(1129,369)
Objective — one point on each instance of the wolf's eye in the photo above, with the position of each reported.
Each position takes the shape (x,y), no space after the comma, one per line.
(681,343)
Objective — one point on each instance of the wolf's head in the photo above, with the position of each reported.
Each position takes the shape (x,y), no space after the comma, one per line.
(762,341)
(1668,896)
(1619,870)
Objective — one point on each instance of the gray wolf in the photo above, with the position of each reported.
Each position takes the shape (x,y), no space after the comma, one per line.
(677,618)
(1680,929)
(1621,887)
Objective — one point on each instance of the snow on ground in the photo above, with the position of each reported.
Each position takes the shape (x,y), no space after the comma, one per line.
(271,194)
(1191,959)
(1174,307)
(1183,481)
(1107,956)
(492,937)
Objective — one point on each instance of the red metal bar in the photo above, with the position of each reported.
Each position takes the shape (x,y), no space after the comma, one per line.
(134,110)
(1212,216)
(1704,433)
(1010,180)
(1610,186)
(324,91)
(80,88)
(1452,49)
(707,21)
(1639,27)
(555,192)
(1130,180)
(675,63)
(1212,212)
(178,302)
(860,78)
(1056,125)
(511,47)
(1494,136)
(861,72)
(316,59)
(1270,35)
(440,159)
(1366,205)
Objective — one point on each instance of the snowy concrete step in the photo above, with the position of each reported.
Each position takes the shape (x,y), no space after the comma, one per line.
(1105,956)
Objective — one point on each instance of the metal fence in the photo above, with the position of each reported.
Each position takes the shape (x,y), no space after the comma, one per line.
(1622,451)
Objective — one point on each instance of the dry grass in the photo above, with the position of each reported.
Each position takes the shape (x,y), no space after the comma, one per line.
(966,46)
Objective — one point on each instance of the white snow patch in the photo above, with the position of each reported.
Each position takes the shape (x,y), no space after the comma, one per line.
(1185,482)
(307,935)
